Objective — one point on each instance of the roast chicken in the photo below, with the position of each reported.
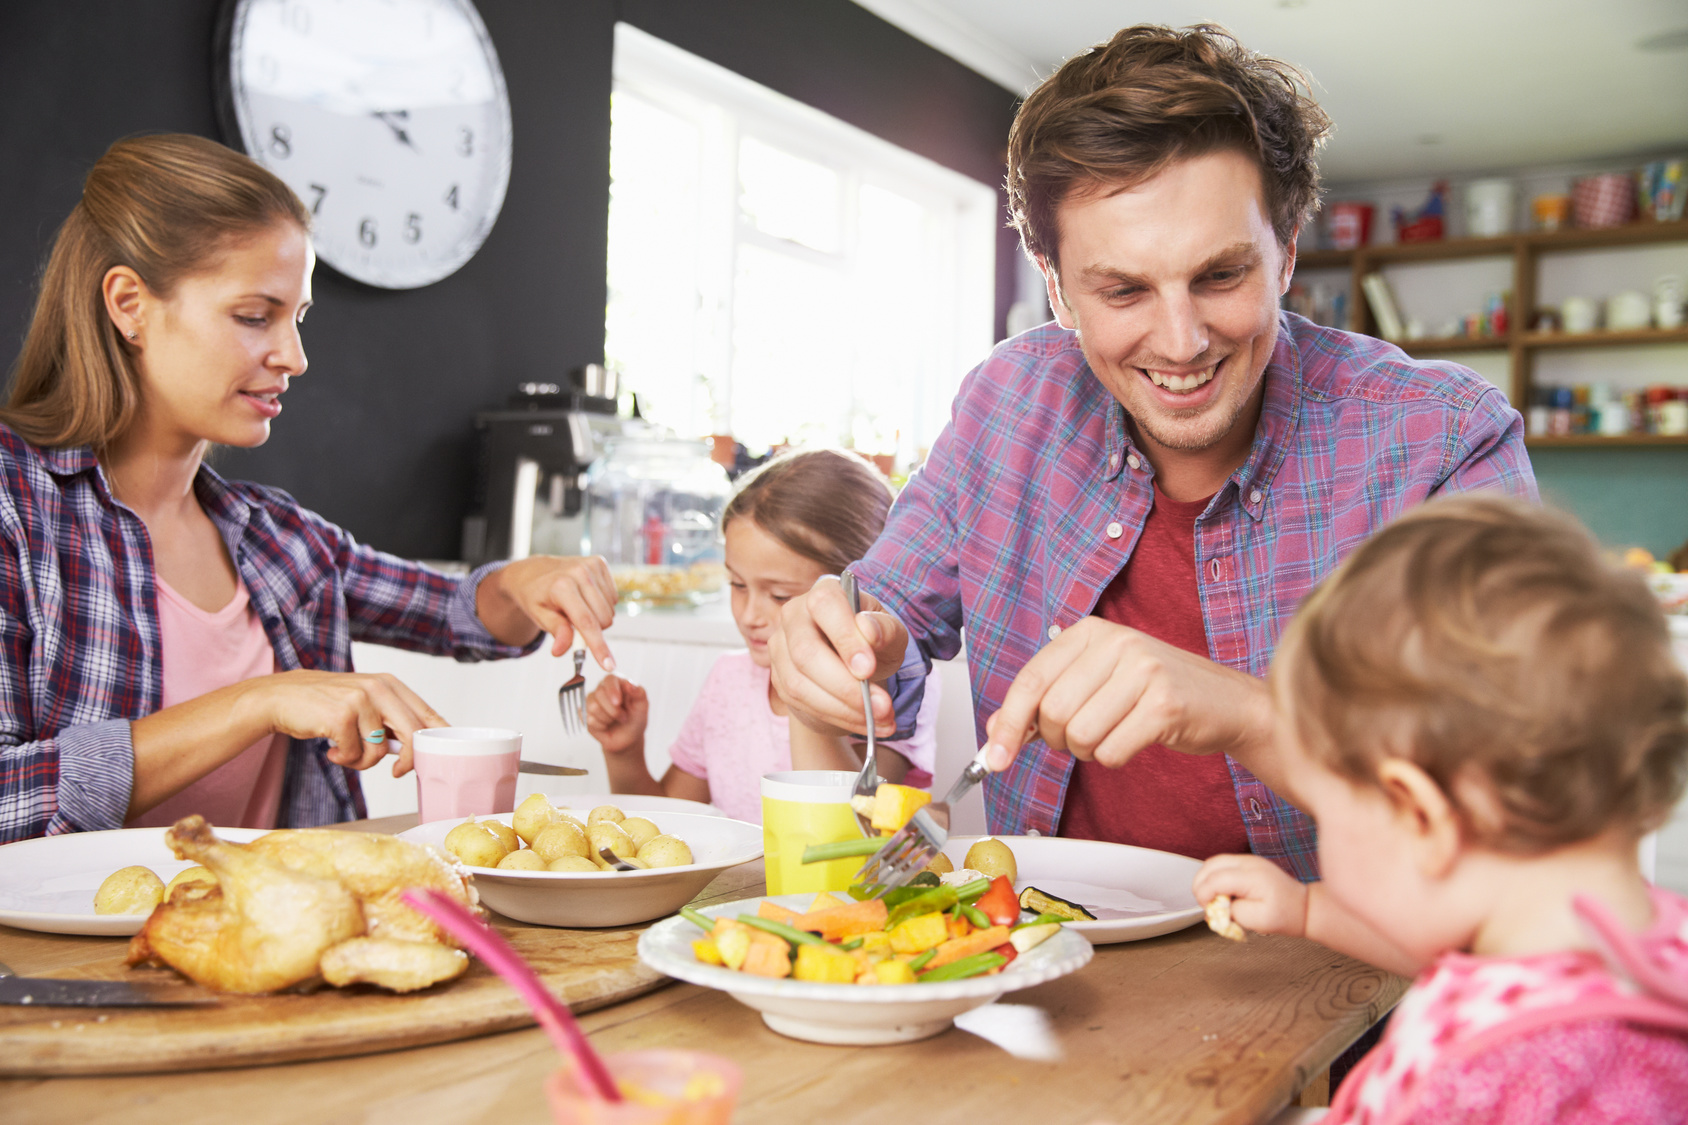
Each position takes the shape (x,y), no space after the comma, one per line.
(296,905)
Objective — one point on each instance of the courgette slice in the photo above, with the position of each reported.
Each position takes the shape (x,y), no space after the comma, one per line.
(1042,902)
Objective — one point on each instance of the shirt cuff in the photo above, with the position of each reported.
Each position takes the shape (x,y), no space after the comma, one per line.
(907,686)
(96,774)
(467,628)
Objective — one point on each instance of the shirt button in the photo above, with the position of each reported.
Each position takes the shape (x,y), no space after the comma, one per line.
(1054,631)
(1115,531)
(1113,460)
(1256,496)
(1134,462)
(1033,832)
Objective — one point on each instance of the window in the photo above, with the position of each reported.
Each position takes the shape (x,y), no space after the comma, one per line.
(780,276)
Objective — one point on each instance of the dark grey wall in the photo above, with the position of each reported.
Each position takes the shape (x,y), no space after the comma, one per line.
(376,435)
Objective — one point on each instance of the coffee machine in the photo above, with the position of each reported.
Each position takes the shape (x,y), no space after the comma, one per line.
(530,461)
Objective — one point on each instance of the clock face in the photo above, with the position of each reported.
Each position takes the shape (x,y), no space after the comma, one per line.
(388,118)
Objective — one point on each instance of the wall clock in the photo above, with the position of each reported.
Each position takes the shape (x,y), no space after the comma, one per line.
(389,118)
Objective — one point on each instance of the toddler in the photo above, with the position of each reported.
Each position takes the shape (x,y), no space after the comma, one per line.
(801,516)
(1484,718)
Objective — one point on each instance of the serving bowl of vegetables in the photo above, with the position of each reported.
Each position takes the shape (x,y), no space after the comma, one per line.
(886,970)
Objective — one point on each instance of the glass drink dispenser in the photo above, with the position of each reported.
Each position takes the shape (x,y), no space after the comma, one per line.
(652,510)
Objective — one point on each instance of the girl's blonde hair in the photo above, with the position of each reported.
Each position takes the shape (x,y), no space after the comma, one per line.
(163,205)
(1489,641)
(827,505)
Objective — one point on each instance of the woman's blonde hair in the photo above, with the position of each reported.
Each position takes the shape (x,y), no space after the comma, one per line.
(827,505)
(163,205)
(1488,641)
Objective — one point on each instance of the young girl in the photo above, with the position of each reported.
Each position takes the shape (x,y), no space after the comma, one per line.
(1485,718)
(801,516)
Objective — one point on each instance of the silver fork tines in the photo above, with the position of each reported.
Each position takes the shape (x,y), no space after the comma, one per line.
(571,697)
(918,842)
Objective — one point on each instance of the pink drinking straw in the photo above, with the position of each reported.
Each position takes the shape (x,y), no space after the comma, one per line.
(555,1018)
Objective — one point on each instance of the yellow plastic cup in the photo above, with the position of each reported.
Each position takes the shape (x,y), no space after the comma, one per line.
(803,807)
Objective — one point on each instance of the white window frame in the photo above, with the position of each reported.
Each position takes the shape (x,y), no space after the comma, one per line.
(726,106)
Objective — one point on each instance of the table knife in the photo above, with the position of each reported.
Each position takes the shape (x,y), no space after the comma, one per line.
(550,771)
(51,992)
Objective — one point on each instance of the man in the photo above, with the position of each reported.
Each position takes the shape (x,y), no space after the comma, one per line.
(1128,505)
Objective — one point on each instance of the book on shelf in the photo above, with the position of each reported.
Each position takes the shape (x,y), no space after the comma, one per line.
(1384,310)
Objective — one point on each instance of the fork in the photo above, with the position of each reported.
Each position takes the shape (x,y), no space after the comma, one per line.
(867,781)
(571,697)
(918,842)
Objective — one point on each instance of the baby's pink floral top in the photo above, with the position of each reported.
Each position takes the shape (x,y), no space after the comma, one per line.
(1567,1037)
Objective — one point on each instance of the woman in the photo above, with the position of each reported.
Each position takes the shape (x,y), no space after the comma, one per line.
(172,642)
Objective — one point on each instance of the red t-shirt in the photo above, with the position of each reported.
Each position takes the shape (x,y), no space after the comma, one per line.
(1162,799)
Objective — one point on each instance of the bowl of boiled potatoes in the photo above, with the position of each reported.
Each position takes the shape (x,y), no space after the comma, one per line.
(544,864)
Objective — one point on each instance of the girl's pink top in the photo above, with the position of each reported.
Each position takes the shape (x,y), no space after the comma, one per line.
(202,652)
(731,737)
(1574,1037)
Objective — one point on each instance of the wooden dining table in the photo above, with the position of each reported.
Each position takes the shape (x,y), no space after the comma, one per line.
(1187,1028)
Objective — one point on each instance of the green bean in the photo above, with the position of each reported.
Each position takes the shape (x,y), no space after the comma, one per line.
(842,849)
(920,962)
(935,901)
(780,929)
(966,967)
(697,918)
(1042,920)
(853,943)
(974,915)
(970,892)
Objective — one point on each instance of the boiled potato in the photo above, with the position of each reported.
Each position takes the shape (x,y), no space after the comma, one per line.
(193,874)
(941,865)
(131,890)
(603,813)
(636,862)
(991,858)
(643,831)
(506,835)
(532,816)
(560,839)
(574,863)
(609,834)
(666,851)
(525,860)
(474,845)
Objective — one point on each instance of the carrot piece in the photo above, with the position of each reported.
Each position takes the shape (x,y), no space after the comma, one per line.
(842,922)
(770,958)
(774,912)
(981,941)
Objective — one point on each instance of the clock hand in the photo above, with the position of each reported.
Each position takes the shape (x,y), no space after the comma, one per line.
(386,117)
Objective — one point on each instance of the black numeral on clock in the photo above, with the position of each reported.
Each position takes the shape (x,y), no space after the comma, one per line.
(451,197)
(366,232)
(466,142)
(321,194)
(413,228)
(281,141)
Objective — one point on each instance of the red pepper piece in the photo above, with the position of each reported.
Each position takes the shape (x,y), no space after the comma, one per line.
(1000,903)
(1007,950)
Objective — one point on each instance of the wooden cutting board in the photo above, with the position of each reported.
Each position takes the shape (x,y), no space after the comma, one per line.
(585,968)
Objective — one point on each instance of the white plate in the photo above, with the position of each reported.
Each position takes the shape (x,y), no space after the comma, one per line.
(862,1014)
(1135,893)
(580,804)
(611,898)
(48,884)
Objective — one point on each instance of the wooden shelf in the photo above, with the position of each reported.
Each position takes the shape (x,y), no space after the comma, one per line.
(1632,234)
(1324,259)
(1434,344)
(1601,441)
(1604,339)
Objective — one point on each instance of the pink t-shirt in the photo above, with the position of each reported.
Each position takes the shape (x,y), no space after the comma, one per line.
(202,652)
(731,737)
(1572,1038)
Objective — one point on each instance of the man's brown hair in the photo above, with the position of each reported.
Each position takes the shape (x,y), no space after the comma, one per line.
(1490,643)
(826,505)
(164,205)
(1117,114)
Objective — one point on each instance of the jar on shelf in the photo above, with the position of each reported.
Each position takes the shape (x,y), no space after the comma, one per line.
(652,510)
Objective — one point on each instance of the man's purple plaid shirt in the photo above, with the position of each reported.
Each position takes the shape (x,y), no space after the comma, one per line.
(79,647)
(1033,497)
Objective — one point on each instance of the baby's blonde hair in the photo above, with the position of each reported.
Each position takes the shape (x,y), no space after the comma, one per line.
(1488,640)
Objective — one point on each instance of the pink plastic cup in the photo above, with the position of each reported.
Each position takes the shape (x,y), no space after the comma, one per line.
(465,771)
(659,1087)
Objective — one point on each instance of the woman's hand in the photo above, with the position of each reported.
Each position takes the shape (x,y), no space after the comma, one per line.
(1264,898)
(346,708)
(561,596)
(616,714)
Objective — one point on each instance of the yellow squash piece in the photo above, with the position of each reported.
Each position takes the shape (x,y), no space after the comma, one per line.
(704,950)
(894,804)
(894,972)
(732,941)
(917,935)
(824,964)
(824,901)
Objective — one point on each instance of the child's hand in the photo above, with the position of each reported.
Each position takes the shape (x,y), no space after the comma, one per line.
(1263,897)
(616,714)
